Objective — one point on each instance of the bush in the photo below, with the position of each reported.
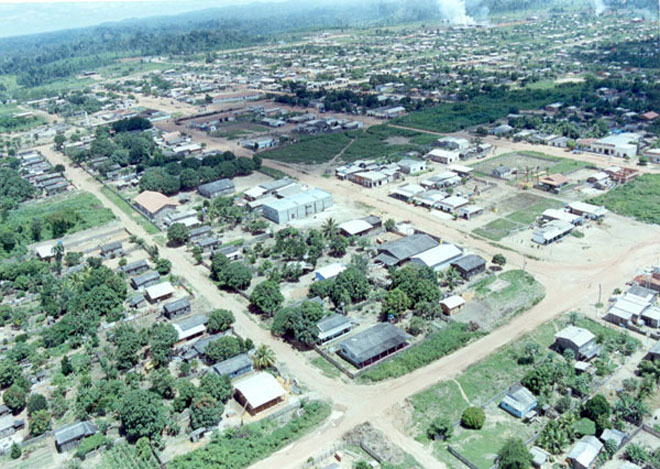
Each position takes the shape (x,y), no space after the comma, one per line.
(441,428)
(91,443)
(473,418)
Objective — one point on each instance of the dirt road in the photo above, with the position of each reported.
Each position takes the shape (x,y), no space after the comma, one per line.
(567,286)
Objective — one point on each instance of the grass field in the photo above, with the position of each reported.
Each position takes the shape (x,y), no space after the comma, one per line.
(122,69)
(310,150)
(327,368)
(639,199)
(497,229)
(530,213)
(125,207)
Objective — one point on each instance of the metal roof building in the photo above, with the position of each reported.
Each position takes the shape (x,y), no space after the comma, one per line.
(373,344)
(333,326)
(216,188)
(297,206)
(233,367)
(70,436)
(399,251)
(259,392)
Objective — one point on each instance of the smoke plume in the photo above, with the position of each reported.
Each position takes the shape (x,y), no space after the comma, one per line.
(455,12)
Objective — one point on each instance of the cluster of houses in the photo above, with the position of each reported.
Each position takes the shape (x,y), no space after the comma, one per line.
(555,224)
(637,306)
(36,169)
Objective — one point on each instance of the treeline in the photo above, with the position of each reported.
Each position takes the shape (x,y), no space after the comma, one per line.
(334,100)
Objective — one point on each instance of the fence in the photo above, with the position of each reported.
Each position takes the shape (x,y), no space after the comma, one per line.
(461,458)
(335,363)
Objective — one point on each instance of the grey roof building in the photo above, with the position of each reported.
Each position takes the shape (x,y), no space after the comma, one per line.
(135,268)
(198,233)
(581,341)
(70,436)
(583,455)
(399,251)
(373,344)
(235,366)
(176,308)
(333,326)
(136,301)
(296,206)
(216,188)
(111,249)
(469,265)
(519,401)
(145,280)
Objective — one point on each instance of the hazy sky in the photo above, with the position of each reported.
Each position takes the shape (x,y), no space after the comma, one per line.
(38,16)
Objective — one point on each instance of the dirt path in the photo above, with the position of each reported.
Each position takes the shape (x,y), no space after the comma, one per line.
(460,389)
(567,285)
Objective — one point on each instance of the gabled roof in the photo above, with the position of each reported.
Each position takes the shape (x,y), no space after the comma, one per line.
(469,262)
(519,398)
(332,322)
(260,389)
(232,365)
(585,450)
(153,202)
(408,247)
(374,341)
(177,305)
(74,431)
(576,335)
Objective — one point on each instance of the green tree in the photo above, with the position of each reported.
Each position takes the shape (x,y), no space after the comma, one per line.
(127,342)
(177,234)
(389,224)
(395,303)
(36,403)
(15,451)
(263,357)
(224,348)
(205,411)
(163,337)
(142,414)
(220,320)
(189,179)
(59,140)
(266,298)
(66,366)
(441,428)
(9,372)
(473,418)
(338,246)
(162,383)
(499,259)
(39,422)
(236,276)
(14,398)
(163,266)
(218,387)
(329,228)
(514,455)
(299,322)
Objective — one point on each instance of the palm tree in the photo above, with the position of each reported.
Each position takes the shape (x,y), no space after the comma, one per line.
(263,357)
(329,228)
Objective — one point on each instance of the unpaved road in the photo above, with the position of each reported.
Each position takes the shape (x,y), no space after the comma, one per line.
(568,286)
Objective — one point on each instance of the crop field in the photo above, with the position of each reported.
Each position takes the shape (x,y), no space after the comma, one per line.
(238,130)
(637,199)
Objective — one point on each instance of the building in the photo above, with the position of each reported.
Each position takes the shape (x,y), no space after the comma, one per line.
(583,209)
(199,233)
(438,257)
(258,392)
(502,172)
(333,326)
(9,426)
(216,188)
(176,308)
(651,316)
(208,244)
(329,271)
(612,434)
(552,231)
(45,252)
(136,302)
(654,352)
(370,179)
(585,452)
(453,143)
(558,214)
(519,401)
(159,292)
(622,145)
(501,130)
(135,268)
(469,266)
(470,211)
(653,155)
(441,180)
(297,206)
(452,304)
(234,367)
(70,436)
(154,204)
(581,341)
(399,251)
(410,166)
(373,344)
(112,250)
(231,252)
(407,192)
(553,182)
(443,156)
(360,226)
(145,280)
(190,328)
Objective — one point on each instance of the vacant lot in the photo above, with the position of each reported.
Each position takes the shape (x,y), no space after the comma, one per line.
(532,161)
(238,130)
(311,150)
(639,199)
(497,229)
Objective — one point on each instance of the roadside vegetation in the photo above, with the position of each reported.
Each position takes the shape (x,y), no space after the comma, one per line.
(637,199)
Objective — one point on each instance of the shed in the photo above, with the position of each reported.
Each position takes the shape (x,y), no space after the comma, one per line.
(234,367)
(176,308)
(333,326)
(111,249)
(216,188)
(469,266)
(145,280)
(70,436)
(375,343)
(452,304)
(585,452)
(580,340)
(134,268)
(355,227)
(45,252)
(329,271)
(259,392)
(399,251)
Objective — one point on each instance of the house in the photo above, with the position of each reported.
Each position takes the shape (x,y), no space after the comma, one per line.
(399,251)
(501,130)
(502,172)
(70,436)
(176,308)
(234,367)
(154,204)
(135,268)
(622,145)
(9,426)
(198,348)
(407,192)
(410,166)
(539,456)
(45,252)
(159,292)
(216,188)
(439,181)
(112,250)
(452,304)
(654,352)
(628,308)
(209,243)
(190,328)
(443,156)
(258,392)
(553,182)
(136,302)
(297,206)
(231,252)
(199,233)
(552,231)
(370,179)
(452,204)
(557,214)
(583,209)
(585,452)
(375,343)
(430,198)
(612,434)
(581,341)
(329,271)
(145,280)
(438,257)
(519,401)
(470,211)
(651,316)
(469,266)
(453,143)
(356,227)
(621,175)
(333,326)
(461,170)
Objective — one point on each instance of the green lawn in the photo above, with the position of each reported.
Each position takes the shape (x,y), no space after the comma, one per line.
(639,199)
(327,368)
(125,207)
(497,229)
(310,149)
(529,214)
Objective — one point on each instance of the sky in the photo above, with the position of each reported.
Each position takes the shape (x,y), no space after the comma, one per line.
(39,16)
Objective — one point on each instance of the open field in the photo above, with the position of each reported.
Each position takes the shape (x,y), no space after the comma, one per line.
(638,199)
(310,150)
(497,229)
(529,160)
(130,211)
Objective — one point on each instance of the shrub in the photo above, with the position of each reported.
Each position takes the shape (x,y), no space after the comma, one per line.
(473,418)
(91,443)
